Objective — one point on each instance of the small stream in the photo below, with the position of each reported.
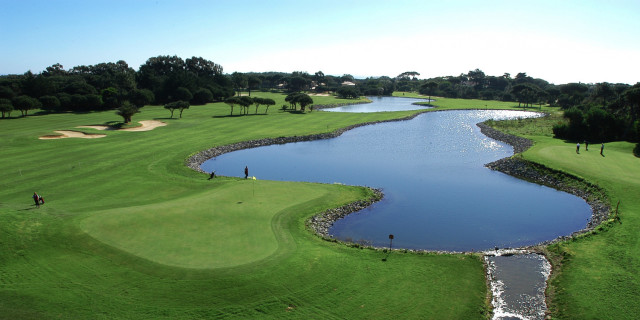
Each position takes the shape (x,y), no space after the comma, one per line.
(518,280)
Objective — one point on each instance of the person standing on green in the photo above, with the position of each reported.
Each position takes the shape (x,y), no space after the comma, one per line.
(36,199)
(602,149)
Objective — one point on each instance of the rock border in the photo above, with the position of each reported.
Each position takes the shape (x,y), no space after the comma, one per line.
(543,175)
(322,222)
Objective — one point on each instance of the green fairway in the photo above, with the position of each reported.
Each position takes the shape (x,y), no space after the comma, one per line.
(128,231)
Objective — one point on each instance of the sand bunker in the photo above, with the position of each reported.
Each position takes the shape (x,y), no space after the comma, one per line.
(98,127)
(145,125)
(72,134)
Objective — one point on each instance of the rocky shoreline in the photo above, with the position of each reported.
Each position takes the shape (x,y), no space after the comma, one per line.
(537,173)
(321,223)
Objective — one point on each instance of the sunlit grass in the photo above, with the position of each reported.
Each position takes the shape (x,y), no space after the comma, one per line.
(128,231)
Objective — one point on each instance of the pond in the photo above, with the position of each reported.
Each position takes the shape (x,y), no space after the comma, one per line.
(437,193)
(382,104)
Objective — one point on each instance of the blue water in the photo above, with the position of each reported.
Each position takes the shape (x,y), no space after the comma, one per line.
(438,194)
(382,104)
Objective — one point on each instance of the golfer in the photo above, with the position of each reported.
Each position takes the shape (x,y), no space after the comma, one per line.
(36,199)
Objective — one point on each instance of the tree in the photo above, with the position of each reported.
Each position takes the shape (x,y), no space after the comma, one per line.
(603,93)
(93,102)
(574,92)
(319,77)
(171,106)
(298,84)
(109,98)
(526,93)
(347,77)
(183,94)
(268,102)
(601,125)
(202,67)
(408,75)
(304,100)
(245,102)
(477,77)
(258,101)
(299,98)
(126,111)
(25,103)
(6,93)
(522,77)
(253,82)
(348,92)
(141,97)
(239,81)
(202,96)
(291,98)
(232,101)
(6,107)
(181,105)
(54,70)
(429,87)
(50,103)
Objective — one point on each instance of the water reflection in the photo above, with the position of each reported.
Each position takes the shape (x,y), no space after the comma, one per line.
(438,195)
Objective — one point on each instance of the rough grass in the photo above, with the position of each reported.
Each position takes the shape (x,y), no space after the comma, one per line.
(128,231)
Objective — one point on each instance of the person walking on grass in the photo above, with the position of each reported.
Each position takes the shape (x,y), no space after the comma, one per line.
(578,148)
(36,199)
(602,149)
(246,172)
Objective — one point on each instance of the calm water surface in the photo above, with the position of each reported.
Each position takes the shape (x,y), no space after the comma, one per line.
(382,104)
(438,194)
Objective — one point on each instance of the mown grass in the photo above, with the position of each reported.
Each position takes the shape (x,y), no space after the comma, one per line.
(595,276)
(128,231)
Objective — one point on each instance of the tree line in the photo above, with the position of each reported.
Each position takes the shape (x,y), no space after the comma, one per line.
(115,86)
(598,112)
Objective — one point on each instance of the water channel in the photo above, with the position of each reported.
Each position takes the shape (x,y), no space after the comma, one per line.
(437,193)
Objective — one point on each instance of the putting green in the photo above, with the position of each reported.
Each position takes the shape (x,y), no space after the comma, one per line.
(618,163)
(222,227)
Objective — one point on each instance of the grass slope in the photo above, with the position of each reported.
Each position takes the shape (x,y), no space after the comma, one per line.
(596,276)
(128,231)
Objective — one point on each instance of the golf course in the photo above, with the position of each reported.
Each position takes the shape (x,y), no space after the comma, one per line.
(128,231)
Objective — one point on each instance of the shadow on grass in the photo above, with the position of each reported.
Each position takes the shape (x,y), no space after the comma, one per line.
(240,115)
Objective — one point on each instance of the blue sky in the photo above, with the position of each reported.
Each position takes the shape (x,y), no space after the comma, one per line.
(559,41)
